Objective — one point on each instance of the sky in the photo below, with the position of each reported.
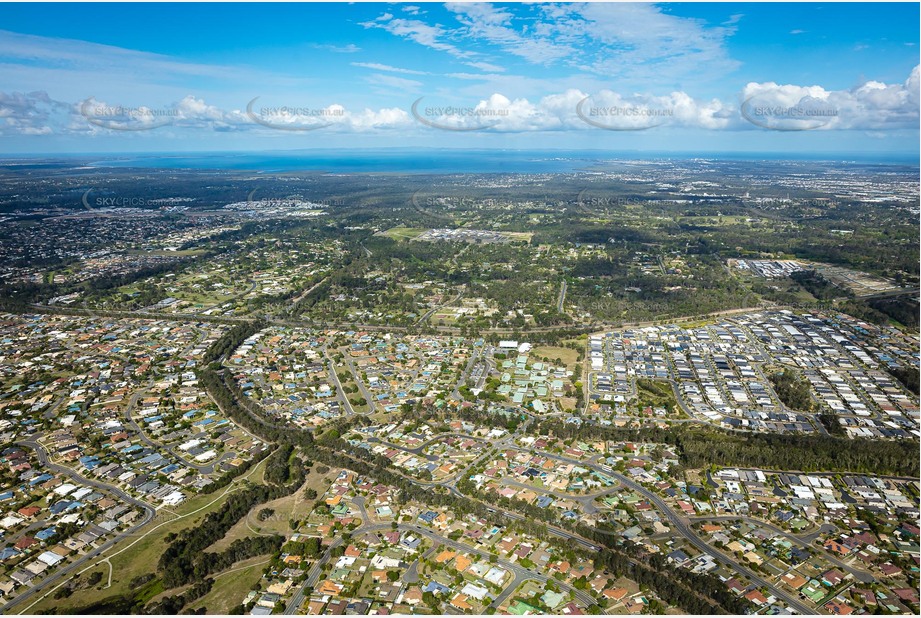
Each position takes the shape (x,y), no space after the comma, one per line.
(683,77)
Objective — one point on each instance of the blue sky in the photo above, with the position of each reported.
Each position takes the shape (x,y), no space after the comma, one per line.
(797,77)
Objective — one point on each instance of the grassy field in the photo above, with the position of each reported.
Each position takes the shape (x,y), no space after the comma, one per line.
(295,506)
(350,384)
(231,586)
(569,356)
(525,236)
(443,317)
(717,220)
(403,233)
(568,403)
(136,556)
(657,394)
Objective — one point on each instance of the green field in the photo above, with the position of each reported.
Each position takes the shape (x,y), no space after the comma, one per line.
(403,233)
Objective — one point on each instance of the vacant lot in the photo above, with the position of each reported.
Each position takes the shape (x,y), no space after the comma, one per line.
(568,356)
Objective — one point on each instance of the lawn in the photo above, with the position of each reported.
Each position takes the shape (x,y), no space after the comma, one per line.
(569,356)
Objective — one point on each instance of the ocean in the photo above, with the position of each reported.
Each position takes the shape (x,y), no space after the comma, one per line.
(401,161)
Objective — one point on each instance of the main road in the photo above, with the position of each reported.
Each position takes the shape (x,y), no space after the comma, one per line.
(681,524)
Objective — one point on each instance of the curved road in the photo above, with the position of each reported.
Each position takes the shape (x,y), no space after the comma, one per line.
(67,570)
(681,524)
(520,574)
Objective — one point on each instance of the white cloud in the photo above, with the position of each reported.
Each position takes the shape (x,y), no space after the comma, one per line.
(399,85)
(615,111)
(872,106)
(475,76)
(484,21)
(16,48)
(386,67)
(71,70)
(639,39)
(419,32)
(485,66)
(351,48)
(29,113)
(634,41)
(576,110)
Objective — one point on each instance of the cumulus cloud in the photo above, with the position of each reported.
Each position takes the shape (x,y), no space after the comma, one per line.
(576,110)
(872,106)
(37,114)
(331,118)
(614,111)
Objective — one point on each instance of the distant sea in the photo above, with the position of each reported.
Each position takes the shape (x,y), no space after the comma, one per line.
(443,161)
